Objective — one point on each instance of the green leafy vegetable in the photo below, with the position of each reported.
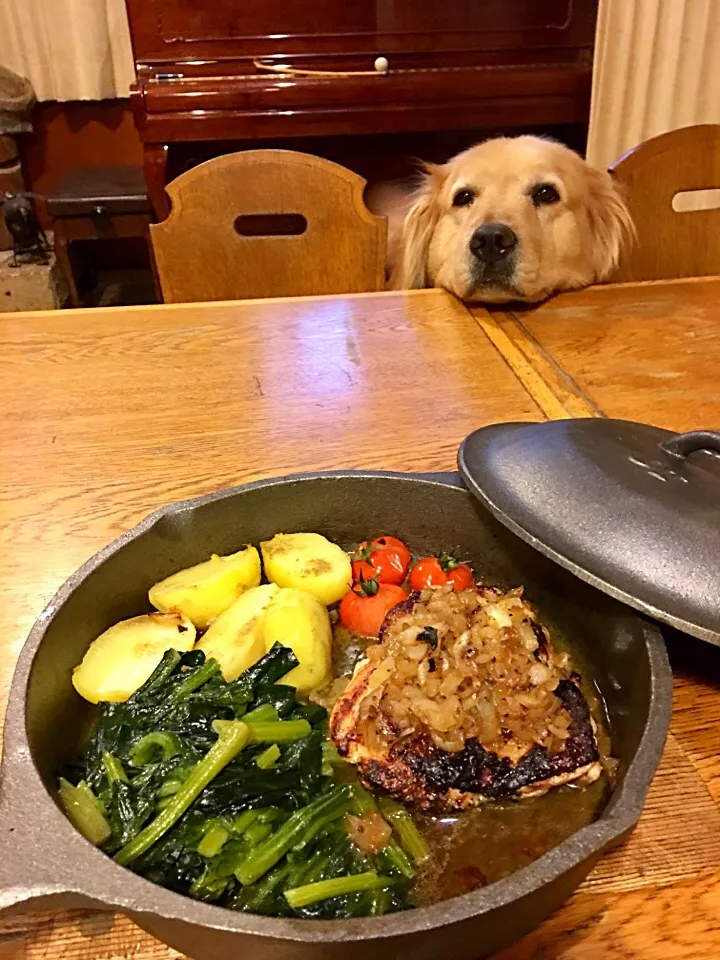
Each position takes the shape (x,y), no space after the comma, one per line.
(158,742)
(214,840)
(337,887)
(403,824)
(83,813)
(230,742)
(113,768)
(268,757)
(226,792)
(302,824)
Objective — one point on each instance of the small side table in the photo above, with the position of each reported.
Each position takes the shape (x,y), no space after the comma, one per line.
(96,203)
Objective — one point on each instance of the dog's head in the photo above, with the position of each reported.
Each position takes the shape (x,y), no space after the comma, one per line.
(512,219)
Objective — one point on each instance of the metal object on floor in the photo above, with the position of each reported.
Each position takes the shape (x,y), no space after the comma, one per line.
(29,243)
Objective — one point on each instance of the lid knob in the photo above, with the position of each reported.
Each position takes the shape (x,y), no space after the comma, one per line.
(684,444)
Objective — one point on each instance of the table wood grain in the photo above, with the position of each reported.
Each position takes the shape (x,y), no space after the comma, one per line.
(636,351)
(648,352)
(109,414)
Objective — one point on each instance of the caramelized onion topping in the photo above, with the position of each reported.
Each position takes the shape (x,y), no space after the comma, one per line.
(489,674)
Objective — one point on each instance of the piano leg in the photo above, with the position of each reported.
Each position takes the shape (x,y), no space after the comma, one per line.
(155,157)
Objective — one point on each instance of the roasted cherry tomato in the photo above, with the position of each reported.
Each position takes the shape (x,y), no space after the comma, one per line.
(437,571)
(386,560)
(461,577)
(364,608)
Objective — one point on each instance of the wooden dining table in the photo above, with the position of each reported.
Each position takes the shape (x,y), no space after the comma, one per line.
(109,414)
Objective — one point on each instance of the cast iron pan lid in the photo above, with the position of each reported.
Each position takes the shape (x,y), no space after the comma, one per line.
(632,509)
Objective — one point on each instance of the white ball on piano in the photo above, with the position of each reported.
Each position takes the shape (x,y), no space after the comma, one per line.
(382,65)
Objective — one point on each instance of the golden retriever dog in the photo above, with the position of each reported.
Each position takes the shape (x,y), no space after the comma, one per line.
(516,218)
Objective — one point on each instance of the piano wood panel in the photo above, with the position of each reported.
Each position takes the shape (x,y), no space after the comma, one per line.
(184,20)
(454,65)
(165,30)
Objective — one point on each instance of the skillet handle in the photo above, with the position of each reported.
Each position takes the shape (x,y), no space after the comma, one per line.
(34,870)
(686,443)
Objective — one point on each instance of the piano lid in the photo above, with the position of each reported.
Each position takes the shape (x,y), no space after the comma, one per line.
(206,31)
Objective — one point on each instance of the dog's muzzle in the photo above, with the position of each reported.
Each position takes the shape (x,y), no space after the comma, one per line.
(493,247)
(492,243)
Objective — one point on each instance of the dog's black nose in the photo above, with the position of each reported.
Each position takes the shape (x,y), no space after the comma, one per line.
(492,241)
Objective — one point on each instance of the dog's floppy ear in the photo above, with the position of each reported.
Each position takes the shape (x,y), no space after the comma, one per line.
(417,230)
(611,225)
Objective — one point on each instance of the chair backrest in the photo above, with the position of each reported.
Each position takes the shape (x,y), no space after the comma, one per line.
(268,223)
(675,238)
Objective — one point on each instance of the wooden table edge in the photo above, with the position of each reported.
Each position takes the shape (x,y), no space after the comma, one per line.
(206,305)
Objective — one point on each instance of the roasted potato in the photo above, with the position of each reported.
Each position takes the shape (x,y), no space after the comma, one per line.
(236,638)
(296,619)
(310,562)
(121,659)
(202,592)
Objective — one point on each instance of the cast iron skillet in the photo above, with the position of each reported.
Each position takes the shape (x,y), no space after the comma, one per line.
(45,862)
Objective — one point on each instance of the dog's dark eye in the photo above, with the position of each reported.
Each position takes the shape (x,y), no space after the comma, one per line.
(544,194)
(463,198)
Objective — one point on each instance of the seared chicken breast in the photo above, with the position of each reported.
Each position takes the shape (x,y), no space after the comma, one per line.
(465,700)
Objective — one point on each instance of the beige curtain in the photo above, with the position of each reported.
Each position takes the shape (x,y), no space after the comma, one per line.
(69,49)
(657,68)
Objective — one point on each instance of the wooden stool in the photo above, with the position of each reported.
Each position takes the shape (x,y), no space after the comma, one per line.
(101,203)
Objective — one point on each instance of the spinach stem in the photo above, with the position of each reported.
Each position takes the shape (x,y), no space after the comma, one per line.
(244,820)
(271,731)
(393,857)
(81,809)
(330,754)
(279,731)
(195,679)
(404,826)
(113,768)
(257,832)
(264,857)
(335,887)
(362,800)
(168,744)
(266,711)
(268,758)
(213,840)
(229,744)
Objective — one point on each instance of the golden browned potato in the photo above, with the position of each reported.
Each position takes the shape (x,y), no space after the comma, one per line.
(236,639)
(298,620)
(202,592)
(310,562)
(122,658)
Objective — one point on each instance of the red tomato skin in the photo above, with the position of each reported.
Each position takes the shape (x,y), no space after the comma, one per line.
(427,573)
(364,615)
(395,546)
(461,577)
(386,560)
(362,570)
(388,566)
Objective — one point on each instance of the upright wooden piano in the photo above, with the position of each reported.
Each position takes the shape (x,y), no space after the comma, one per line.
(249,71)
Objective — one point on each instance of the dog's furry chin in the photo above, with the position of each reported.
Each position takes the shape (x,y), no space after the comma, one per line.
(567,243)
(485,294)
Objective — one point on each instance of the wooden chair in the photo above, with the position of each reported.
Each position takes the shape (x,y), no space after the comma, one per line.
(675,238)
(268,223)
